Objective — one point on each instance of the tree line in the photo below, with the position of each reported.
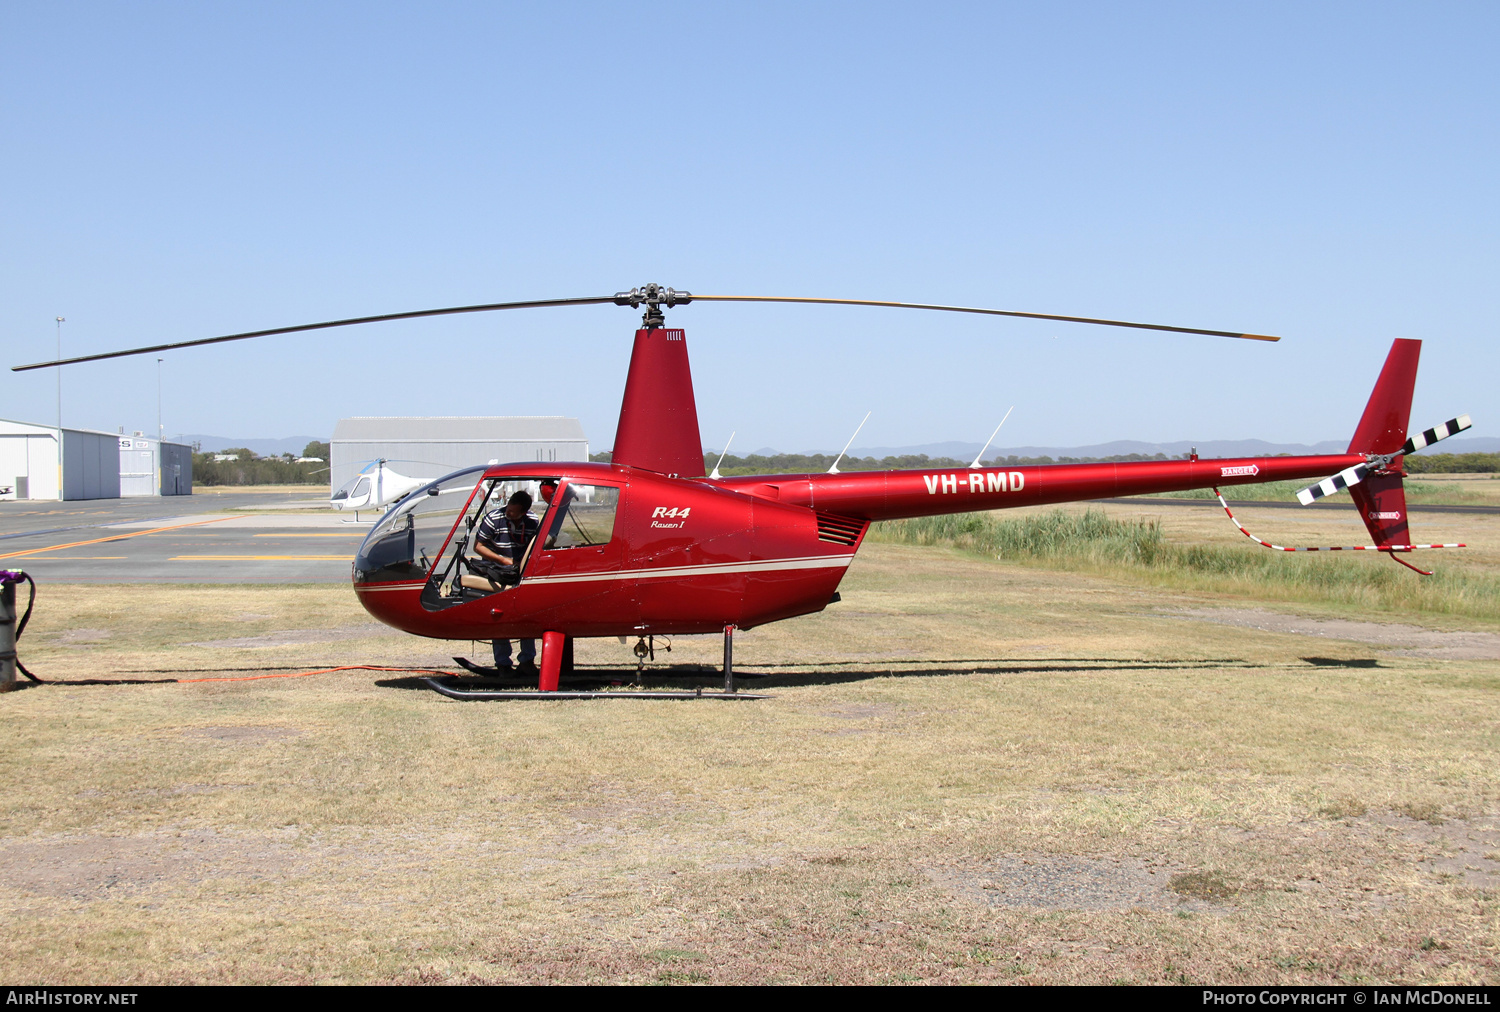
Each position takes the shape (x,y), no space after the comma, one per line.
(1453,463)
(248,469)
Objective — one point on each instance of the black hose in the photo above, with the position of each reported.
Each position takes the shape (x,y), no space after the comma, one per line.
(30,601)
(21,625)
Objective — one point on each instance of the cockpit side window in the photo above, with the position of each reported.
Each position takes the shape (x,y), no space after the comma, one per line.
(584,516)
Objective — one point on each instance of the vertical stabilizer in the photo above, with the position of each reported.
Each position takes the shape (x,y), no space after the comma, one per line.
(658,427)
(1381,501)
(1380,498)
(1382,429)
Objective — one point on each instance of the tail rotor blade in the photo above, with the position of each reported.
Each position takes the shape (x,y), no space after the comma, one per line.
(1337,483)
(1359,472)
(1427,437)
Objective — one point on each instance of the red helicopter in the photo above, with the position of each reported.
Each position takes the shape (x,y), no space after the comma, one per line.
(648,545)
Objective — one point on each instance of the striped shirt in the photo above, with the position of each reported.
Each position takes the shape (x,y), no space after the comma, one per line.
(500,535)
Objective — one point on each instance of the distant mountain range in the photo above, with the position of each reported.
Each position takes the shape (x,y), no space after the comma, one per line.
(1120,447)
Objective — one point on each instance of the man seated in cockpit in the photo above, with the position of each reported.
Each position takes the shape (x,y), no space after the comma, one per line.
(501,539)
(505,532)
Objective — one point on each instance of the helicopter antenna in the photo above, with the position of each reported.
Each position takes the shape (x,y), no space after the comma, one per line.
(716,475)
(834,469)
(987,442)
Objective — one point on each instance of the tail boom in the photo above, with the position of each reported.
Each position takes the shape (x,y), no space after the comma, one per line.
(893,495)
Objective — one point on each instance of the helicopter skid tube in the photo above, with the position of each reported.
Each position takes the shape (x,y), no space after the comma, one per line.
(453,693)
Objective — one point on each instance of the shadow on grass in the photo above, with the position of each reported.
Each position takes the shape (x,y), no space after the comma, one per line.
(759,678)
(751,675)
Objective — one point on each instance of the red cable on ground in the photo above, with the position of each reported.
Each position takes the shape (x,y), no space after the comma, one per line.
(241,678)
(321,671)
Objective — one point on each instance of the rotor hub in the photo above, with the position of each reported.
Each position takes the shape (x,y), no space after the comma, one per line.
(653,296)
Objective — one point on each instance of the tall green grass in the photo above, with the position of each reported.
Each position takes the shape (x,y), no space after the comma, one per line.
(1139,549)
(1417,492)
(1267,491)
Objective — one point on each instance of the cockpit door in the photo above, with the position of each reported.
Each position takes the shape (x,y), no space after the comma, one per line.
(577,562)
(578,535)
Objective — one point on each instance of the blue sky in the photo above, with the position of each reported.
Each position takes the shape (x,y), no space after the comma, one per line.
(1324,172)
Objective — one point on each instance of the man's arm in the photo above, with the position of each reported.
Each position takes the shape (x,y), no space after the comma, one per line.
(486,552)
(486,541)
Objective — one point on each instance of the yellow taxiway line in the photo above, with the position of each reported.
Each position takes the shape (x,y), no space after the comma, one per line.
(261,558)
(118,537)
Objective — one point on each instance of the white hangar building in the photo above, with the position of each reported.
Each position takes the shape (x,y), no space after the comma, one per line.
(86,464)
(433,447)
(44,462)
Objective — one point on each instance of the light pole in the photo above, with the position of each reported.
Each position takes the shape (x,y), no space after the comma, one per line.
(61,492)
(159,432)
(60,322)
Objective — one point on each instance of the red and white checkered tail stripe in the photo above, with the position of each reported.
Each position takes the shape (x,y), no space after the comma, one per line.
(1342,548)
(1328,486)
(1427,437)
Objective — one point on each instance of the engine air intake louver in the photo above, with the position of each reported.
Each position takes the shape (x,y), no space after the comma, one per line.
(839,530)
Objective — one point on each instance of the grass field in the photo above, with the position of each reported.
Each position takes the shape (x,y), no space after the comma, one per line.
(971,770)
(1422,489)
(1166,551)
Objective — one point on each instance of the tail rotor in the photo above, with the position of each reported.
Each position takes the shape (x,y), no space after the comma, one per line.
(1378,462)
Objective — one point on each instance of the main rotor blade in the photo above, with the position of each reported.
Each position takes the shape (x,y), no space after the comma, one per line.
(452,311)
(983,312)
(632,298)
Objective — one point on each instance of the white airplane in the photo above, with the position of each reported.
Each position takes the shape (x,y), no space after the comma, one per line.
(376,486)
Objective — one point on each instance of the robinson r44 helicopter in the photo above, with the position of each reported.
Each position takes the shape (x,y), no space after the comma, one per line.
(648,545)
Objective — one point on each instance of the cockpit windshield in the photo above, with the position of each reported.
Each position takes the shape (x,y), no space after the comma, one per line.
(490,548)
(407,540)
(357,486)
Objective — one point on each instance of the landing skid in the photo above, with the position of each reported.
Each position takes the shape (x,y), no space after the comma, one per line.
(453,693)
(657,674)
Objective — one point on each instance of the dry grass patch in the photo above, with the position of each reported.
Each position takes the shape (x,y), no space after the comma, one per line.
(952,720)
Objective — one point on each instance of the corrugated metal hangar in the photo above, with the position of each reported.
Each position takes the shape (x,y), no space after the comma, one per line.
(88,465)
(153,467)
(433,447)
